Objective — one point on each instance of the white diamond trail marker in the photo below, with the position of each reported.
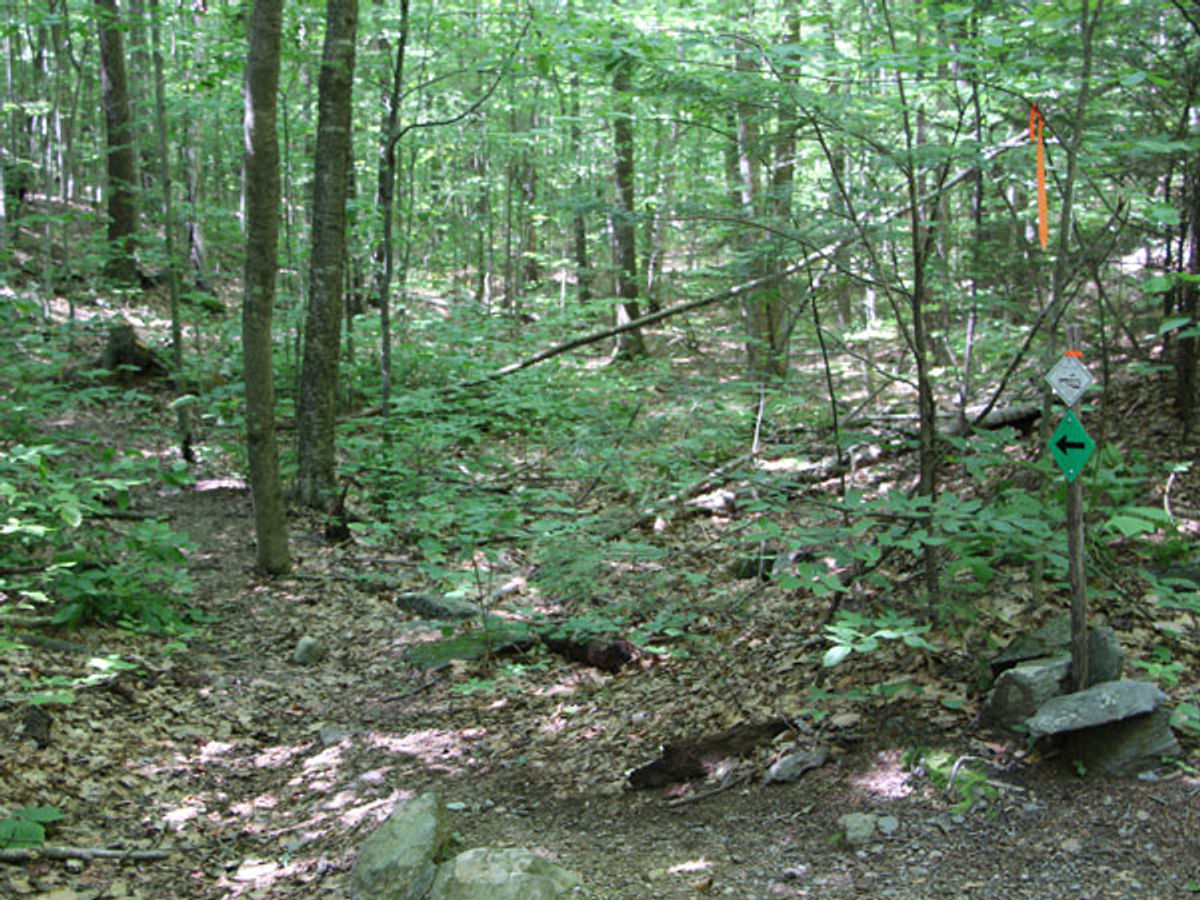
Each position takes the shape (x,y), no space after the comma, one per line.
(1070,379)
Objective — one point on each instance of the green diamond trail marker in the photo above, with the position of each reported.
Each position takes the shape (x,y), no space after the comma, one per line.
(1071,446)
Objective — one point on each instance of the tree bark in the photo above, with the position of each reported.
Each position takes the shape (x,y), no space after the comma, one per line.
(629,344)
(1185,359)
(583,268)
(385,251)
(317,413)
(261,172)
(122,211)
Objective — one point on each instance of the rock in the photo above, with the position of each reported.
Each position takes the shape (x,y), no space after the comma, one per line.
(1020,691)
(843,721)
(1106,658)
(791,767)
(1097,705)
(1127,747)
(888,825)
(1116,728)
(399,860)
(1052,640)
(1036,666)
(309,650)
(1049,640)
(488,873)
(858,828)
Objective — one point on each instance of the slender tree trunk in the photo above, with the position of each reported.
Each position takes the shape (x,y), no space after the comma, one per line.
(385,252)
(122,212)
(317,413)
(1185,359)
(656,251)
(764,310)
(920,241)
(164,162)
(629,344)
(261,173)
(197,244)
(583,268)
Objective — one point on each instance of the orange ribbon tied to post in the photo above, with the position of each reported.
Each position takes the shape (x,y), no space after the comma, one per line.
(1036,124)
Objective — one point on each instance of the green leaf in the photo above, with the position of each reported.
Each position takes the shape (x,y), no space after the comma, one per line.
(19,833)
(1157,284)
(1129,526)
(835,655)
(51,697)
(44,814)
(1173,323)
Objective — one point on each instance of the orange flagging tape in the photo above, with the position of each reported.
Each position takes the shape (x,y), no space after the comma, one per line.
(1078,354)
(1036,124)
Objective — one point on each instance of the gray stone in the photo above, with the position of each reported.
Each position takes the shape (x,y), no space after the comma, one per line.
(487,873)
(1049,640)
(399,859)
(1105,656)
(1126,747)
(790,767)
(858,827)
(1025,682)
(1101,703)
(888,825)
(309,650)
(1020,691)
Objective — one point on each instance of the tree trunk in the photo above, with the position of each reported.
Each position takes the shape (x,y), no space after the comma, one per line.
(197,243)
(385,252)
(261,173)
(317,413)
(182,419)
(1185,359)
(763,310)
(630,344)
(583,268)
(122,213)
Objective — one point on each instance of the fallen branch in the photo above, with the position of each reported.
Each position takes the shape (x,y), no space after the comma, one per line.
(27,854)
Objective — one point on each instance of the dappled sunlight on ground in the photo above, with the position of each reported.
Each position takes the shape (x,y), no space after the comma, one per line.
(886,779)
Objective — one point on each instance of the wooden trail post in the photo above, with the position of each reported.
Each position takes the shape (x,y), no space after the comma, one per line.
(1072,447)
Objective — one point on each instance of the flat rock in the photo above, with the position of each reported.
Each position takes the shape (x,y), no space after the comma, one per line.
(1111,701)
(488,873)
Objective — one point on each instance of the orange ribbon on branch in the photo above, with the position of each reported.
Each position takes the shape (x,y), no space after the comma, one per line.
(1036,124)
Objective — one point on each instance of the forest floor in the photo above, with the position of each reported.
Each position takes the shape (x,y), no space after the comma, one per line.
(261,777)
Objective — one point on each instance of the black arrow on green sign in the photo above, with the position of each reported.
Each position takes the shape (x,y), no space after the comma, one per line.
(1064,445)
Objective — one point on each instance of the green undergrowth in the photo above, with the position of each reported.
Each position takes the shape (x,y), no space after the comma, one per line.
(71,547)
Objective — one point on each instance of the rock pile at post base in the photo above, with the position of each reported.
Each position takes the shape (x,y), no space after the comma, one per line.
(407,858)
(1112,727)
